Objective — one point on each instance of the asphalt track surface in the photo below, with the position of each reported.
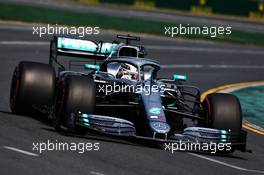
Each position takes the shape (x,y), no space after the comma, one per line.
(147,14)
(206,64)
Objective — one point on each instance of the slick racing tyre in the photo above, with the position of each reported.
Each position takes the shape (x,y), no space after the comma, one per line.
(75,94)
(32,84)
(223,112)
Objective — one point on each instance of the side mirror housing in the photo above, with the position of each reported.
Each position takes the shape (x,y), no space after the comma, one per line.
(91,67)
(177,77)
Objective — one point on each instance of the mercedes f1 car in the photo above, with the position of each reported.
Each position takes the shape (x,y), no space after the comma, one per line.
(118,93)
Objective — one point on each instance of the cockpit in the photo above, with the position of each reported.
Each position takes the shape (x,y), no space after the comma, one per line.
(123,70)
(134,69)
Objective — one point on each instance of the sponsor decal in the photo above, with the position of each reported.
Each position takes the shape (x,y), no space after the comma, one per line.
(77,44)
(155,110)
(160,117)
(154,117)
(160,126)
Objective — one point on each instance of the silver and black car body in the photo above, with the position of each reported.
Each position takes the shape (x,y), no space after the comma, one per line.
(120,94)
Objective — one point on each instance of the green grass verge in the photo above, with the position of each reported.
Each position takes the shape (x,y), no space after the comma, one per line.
(66,17)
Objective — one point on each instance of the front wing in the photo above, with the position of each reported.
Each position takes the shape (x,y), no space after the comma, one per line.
(125,129)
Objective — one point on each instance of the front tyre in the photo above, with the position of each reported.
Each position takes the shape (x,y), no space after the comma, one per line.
(223,112)
(75,93)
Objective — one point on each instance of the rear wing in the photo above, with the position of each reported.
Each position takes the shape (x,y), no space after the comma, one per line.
(78,48)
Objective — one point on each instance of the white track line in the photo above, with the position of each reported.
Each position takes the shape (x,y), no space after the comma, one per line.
(24,43)
(96,173)
(206,49)
(20,151)
(237,66)
(226,164)
(172,66)
(199,66)
(157,47)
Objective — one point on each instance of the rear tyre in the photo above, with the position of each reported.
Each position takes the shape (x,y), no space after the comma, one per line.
(223,112)
(32,84)
(75,94)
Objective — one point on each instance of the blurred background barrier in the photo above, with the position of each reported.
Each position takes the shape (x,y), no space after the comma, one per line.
(117,19)
(244,8)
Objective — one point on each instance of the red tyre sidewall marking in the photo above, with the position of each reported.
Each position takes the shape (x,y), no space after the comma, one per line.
(209,117)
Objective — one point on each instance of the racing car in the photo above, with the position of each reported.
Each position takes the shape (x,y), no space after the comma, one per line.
(117,92)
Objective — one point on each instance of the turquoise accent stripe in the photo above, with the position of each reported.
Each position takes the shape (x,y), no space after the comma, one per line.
(85,115)
(85,45)
(223,132)
(86,124)
(76,44)
(91,66)
(86,120)
(179,77)
(223,136)
(223,140)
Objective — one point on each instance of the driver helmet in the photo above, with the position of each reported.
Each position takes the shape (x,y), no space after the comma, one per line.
(129,72)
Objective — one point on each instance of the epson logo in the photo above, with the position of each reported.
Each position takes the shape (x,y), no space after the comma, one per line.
(160,127)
